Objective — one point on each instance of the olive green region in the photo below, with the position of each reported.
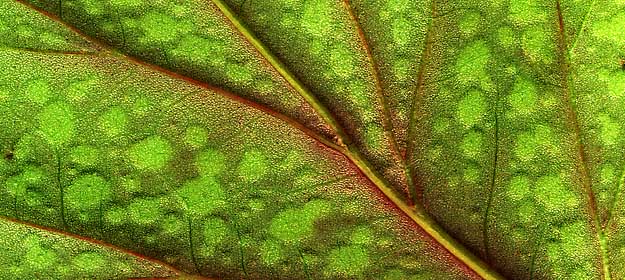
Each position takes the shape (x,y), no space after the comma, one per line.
(509,105)
(29,252)
(319,43)
(193,39)
(184,175)
(23,28)
(509,114)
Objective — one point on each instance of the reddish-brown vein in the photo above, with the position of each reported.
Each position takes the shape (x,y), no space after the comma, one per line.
(101,244)
(386,114)
(419,90)
(572,118)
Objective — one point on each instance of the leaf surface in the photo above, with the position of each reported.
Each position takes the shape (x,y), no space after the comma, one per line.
(318,139)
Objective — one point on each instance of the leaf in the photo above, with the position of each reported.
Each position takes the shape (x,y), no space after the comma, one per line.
(245,139)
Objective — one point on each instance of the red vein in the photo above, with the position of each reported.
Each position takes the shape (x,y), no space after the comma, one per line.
(581,154)
(99,243)
(386,117)
(420,88)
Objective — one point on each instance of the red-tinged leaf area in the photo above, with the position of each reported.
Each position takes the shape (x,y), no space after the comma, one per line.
(47,254)
(312,139)
(188,176)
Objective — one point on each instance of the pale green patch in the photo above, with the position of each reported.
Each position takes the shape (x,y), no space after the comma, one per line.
(116,216)
(317,18)
(271,252)
(114,121)
(526,146)
(239,73)
(471,109)
(472,145)
(253,166)
(38,91)
(57,124)
(523,97)
(611,29)
(341,61)
(84,156)
(471,174)
(215,232)
(173,226)
(526,12)
(402,31)
(210,162)
(196,136)
(506,37)
(93,8)
(554,195)
(151,154)
(292,225)
(84,88)
(538,44)
(469,23)
(348,261)
(471,64)
(38,257)
(200,50)
(374,135)
(401,68)
(362,236)
(610,130)
(159,28)
(145,211)
(127,4)
(202,196)
(87,193)
(614,82)
(89,262)
(526,213)
(519,188)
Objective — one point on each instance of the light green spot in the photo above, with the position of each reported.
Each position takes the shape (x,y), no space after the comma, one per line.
(38,91)
(538,44)
(292,225)
(271,252)
(526,12)
(202,196)
(253,166)
(87,193)
(114,121)
(401,69)
(127,3)
(526,146)
(116,216)
(317,18)
(471,174)
(469,23)
(611,29)
(239,73)
(151,154)
(145,211)
(84,156)
(553,194)
(215,232)
(201,51)
(506,37)
(90,263)
(526,212)
(159,28)
(471,65)
(519,188)
(341,61)
(196,136)
(471,109)
(348,261)
(38,257)
(362,236)
(402,31)
(56,123)
(523,97)
(210,162)
(472,145)
(609,130)
(374,135)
